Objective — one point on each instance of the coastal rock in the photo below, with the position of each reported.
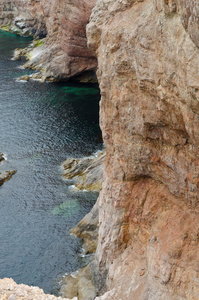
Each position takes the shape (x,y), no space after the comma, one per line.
(64,53)
(1,157)
(24,17)
(148,59)
(9,290)
(7,174)
(87,172)
(87,230)
(88,175)
(79,284)
(67,54)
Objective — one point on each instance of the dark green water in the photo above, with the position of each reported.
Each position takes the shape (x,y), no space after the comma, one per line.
(40,126)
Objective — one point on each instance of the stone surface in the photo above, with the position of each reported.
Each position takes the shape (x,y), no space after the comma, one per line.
(80,284)
(87,172)
(87,230)
(24,17)
(7,174)
(148,72)
(67,53)
(64,53)
(9,290)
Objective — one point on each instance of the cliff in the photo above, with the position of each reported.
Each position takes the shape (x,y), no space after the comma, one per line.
(148,60)
(148,63)
(23,17)
(64,52)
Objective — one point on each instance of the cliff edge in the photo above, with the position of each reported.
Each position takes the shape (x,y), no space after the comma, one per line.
(148,59)
(64,52)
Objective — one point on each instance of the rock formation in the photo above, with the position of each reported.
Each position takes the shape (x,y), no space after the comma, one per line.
(64,53)
(7,174)
(23,17)
(87,171)
(67,53)
(9,290)
(148,55)
(148,72)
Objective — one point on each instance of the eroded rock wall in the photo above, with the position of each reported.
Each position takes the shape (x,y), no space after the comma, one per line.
(148,72)
(23,16)
(66,41)
(64,53)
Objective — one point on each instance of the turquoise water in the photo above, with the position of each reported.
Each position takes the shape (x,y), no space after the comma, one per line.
(40,126)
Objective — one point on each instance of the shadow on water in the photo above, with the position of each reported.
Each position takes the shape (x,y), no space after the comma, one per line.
(40,126)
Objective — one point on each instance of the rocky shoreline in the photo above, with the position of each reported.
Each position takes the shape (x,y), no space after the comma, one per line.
(87,172)
(88,175)
(9,290)
(148,62)
(64,53)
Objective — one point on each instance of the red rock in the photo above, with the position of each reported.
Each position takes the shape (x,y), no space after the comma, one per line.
(64,53)
(149,206)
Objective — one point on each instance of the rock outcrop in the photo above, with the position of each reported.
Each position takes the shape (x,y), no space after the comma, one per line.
(23,17)
(5,176)
(148,55)
(67,54)
(9,290)
(64,53)
(87,172)
(148,72)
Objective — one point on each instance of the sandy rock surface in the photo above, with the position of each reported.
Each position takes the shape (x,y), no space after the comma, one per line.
(9,290)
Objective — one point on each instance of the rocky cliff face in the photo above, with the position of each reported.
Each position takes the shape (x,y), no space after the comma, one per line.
(148,59)
(67,54)
(23,16)
(64,53)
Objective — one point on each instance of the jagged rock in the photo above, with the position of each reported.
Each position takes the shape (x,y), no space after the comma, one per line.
(23,17)
(1,157)
(87,229)
(80,284)
(88,172)
(9,290)
(148,59)
(64,53)
(6,176)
